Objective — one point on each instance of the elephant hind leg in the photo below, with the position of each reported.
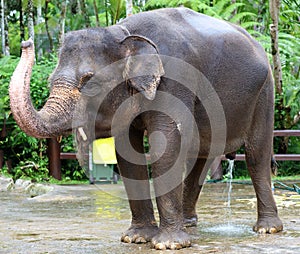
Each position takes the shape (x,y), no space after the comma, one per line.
(258,150)
(192,187)
(258,162)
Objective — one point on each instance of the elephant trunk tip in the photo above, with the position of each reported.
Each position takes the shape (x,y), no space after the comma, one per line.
(27,44)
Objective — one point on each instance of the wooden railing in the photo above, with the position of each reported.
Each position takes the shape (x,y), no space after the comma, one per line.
(55,166)
(279,157)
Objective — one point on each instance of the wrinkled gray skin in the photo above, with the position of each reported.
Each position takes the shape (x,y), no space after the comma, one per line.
(231,60)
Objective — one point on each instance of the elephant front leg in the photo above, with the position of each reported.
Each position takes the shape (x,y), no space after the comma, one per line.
(135,178)
(143,226)
(167,173)
(171,234)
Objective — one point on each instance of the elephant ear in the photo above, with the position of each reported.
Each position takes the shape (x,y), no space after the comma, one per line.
(143,66)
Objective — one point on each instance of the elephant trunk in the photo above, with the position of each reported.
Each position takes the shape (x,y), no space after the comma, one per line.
(56,115)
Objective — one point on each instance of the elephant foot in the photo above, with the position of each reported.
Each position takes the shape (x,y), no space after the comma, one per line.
(190,222)
(139,234)
(269,225)
(171,240)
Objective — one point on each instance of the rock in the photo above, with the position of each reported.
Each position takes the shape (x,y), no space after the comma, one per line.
(20,183)
(6,184)
(34,190)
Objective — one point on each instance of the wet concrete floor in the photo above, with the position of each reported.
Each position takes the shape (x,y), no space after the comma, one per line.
(91,218)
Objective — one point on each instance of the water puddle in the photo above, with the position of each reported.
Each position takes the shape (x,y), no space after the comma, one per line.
(228,229)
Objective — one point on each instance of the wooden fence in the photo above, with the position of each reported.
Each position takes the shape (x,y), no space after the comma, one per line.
(279,157)
(55,156)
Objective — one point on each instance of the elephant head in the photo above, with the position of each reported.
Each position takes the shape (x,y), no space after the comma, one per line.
(93,63)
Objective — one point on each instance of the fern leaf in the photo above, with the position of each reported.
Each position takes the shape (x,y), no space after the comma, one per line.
(227,12)
(208,10)
(219,6)
(237,18)
(250,24)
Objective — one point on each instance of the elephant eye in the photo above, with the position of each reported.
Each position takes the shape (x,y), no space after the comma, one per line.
(84,79)
(90,89)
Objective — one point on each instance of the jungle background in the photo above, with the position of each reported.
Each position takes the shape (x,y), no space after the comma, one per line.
(46,21)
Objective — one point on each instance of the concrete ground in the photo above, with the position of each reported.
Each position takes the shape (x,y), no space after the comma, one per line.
(91,218)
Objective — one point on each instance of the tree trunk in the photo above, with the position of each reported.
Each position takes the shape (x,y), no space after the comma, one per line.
(274,6)
(22,27)
(235,10)
(79,6)
(62,21)
(30,19)
(85,13)
(142,3)
(274,12)
(4,30)
(7,50)
(96,13)
(47,26)
(39,36)
(117,14)
(106,11)
(128,8)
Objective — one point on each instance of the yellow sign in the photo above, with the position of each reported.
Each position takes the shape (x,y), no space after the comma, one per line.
(104,151)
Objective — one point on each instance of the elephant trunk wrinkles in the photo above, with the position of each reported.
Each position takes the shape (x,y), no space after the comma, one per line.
(54,118)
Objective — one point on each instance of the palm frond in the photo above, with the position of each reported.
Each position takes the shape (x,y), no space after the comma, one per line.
(237,18)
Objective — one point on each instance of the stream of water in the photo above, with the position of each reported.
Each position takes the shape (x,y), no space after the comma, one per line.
(228,227)
(229,187)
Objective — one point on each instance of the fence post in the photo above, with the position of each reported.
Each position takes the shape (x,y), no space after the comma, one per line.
(54,158)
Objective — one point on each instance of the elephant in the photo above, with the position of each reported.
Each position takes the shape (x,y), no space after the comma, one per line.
(199,87)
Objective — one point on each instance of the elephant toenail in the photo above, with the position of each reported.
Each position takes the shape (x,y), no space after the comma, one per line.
(160,246)
(261,231)
(126,239)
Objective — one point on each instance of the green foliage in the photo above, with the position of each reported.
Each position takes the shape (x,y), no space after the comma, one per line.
(28,155)
(288,168)
(116,9)
(8,64)
(222,9)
